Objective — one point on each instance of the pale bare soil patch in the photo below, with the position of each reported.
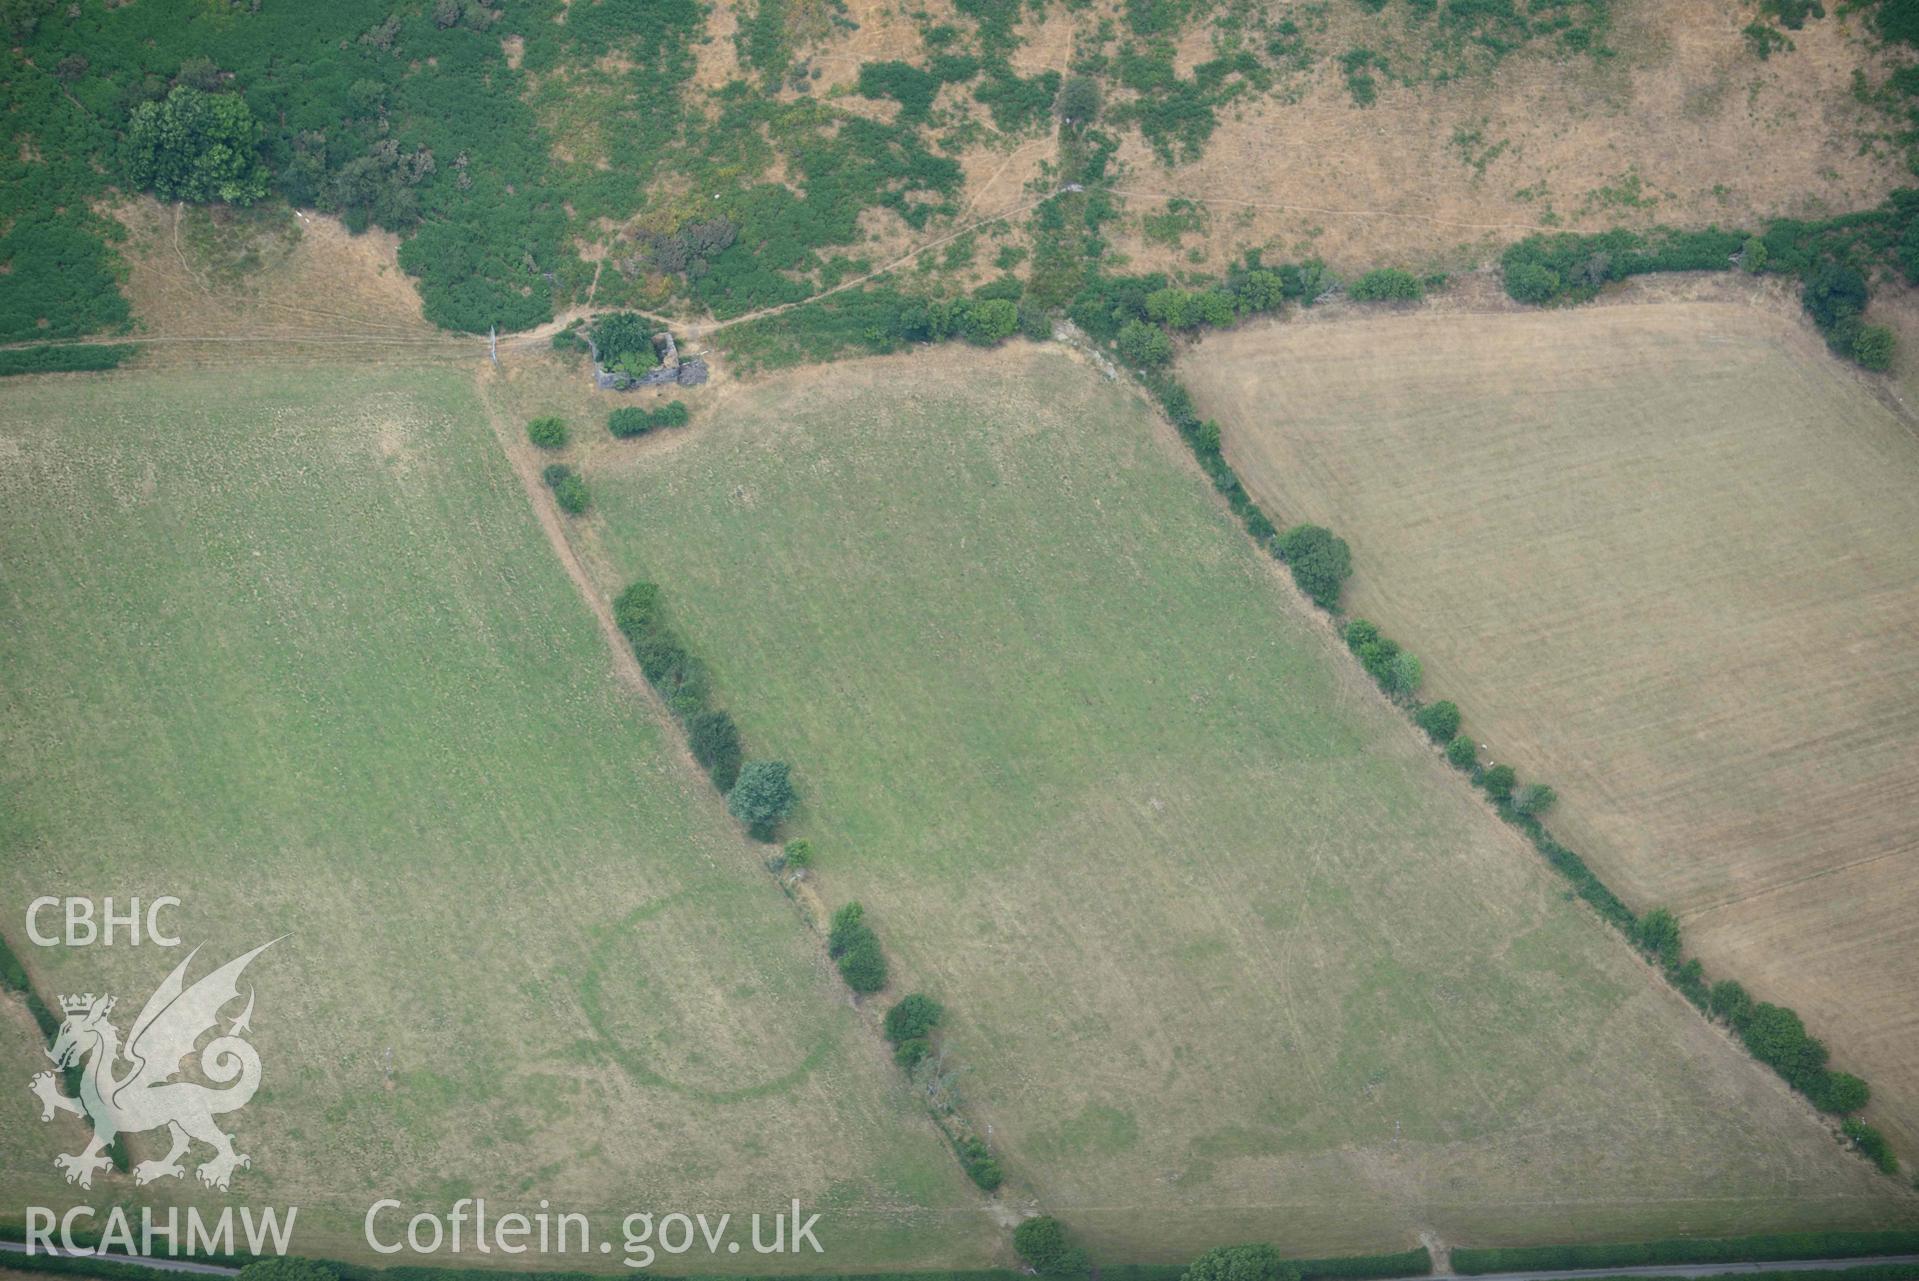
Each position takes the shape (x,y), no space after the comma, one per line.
(1711,134)
(1662,556)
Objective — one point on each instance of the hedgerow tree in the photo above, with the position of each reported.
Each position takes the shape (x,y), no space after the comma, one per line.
(1871,345)
(1728,1000)
(196,146)
(287,1268)
(912,1018)
(1144,344)
(1840,1093)
(1440,720)
(1462,752)
(1871,1144)
(1778,1038)
(1046,1248)
(1535,799)
(1321,563)
(1498,782)
(863,966)
(762,796)
(990,322)
(1404,675)
(1241,1263)
(637,609)
(846,925)
(1834,292)
(1657,935)
(715,742)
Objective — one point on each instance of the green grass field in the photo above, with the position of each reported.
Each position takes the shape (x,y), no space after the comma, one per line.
(290,645)
(1229,953)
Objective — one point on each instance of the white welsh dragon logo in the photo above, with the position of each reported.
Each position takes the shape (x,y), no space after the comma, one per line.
(145,1096)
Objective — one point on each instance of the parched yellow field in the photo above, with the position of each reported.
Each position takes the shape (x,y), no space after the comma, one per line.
(1665,557)
(1228,955)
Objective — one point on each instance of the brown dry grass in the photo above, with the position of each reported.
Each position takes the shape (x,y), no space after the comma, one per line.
(1713,133)
(312,292)
(1662,556)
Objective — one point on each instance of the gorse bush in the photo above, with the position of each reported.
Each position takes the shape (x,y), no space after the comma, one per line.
(1387,284)
(547,433)
(634,421)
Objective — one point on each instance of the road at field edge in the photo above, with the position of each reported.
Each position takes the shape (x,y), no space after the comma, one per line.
(1574,1274)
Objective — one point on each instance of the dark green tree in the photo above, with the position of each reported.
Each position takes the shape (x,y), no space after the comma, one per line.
(1321,563)
(1728,1000)
(847,928)
(1241,1263)
(1042,1242)
(624,340)
(1079,101)
(991,321)
(1498,782)
(912,1018)
(863,966)
(1834,292)
(569,491)
(1657,935)
(1462,752)
(762,796)
(715,742)
(196,146)
(1144,344)
(1440,720)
